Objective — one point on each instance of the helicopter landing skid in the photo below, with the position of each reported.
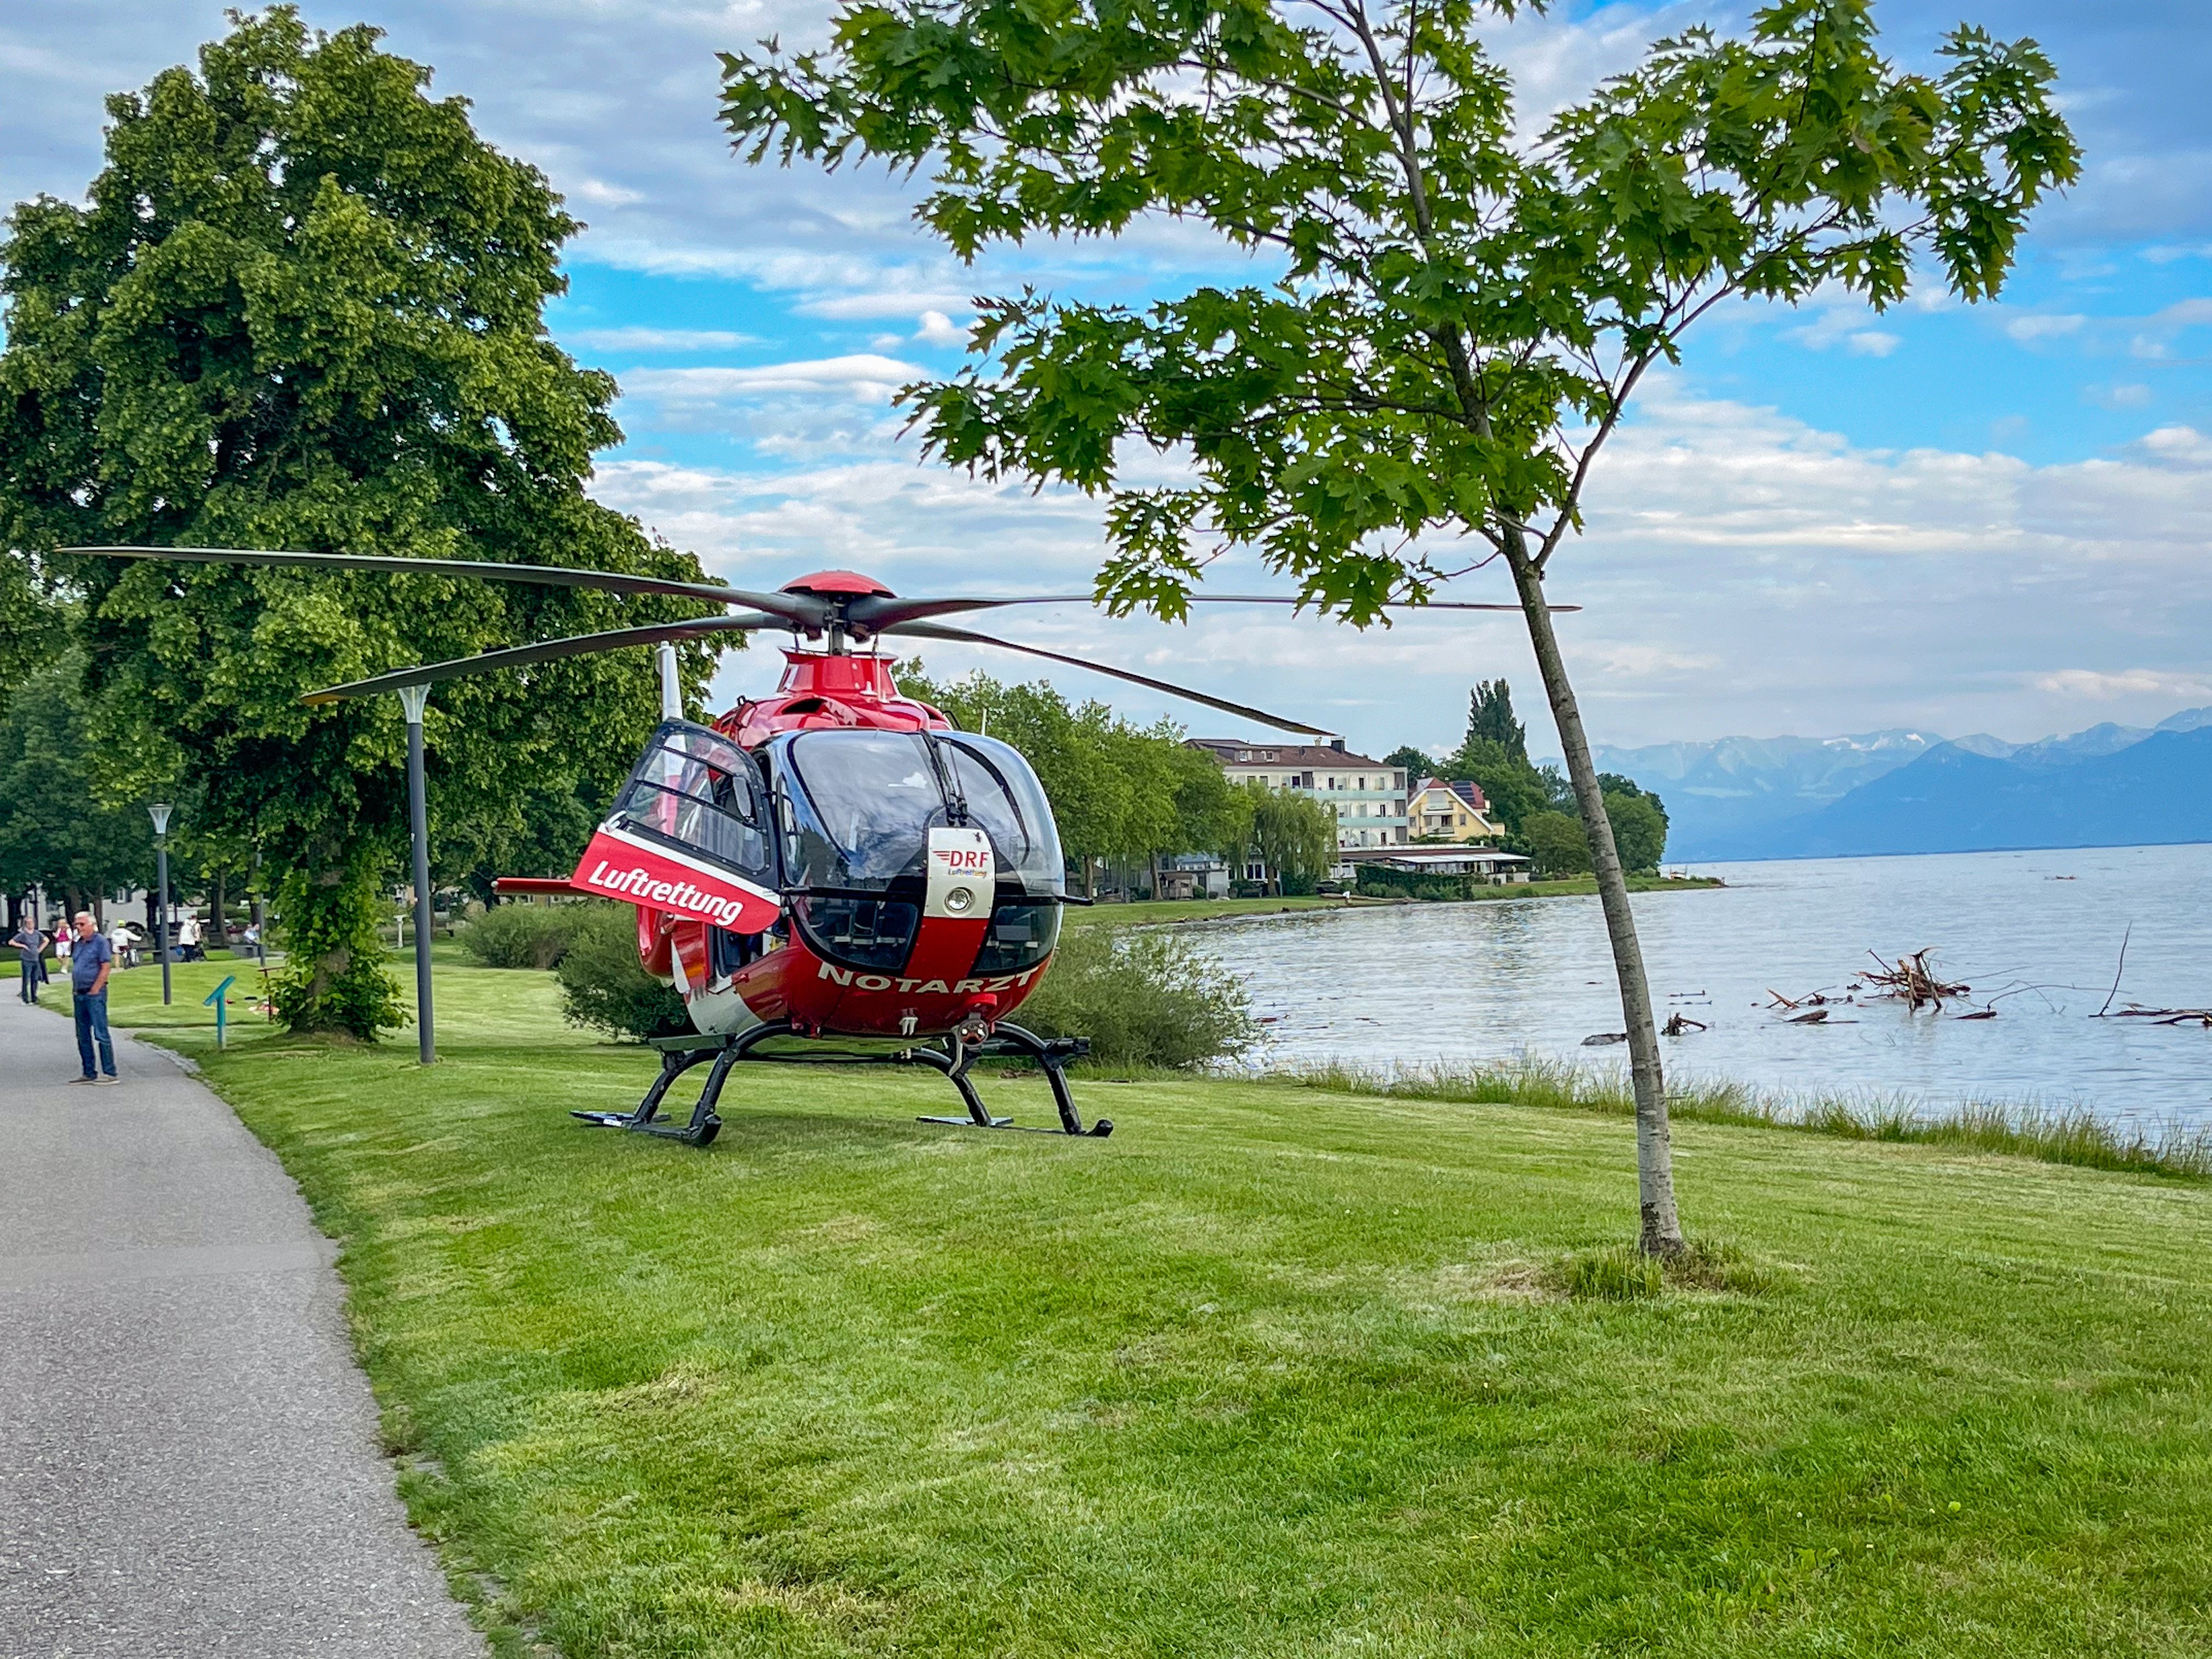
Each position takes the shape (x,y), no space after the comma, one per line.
(1052,1055)
(679,1055)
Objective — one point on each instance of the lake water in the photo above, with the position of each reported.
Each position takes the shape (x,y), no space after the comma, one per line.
(2040,933)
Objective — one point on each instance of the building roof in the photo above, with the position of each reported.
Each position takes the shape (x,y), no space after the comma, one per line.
(1263,753)
(1465,789)
(1437,860)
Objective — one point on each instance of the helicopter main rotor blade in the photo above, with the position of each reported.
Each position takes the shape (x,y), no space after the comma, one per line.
(929,631)
(872,614)
(522,656)
(808,612)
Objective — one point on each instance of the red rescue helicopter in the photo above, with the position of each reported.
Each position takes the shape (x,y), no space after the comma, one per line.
(833,861)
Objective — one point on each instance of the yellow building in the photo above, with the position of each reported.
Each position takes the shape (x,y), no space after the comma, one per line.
(1449,811)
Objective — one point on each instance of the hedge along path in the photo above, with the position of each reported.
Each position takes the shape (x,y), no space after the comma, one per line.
(1278,1374)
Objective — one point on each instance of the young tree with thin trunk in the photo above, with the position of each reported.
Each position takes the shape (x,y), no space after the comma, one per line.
(1461,315)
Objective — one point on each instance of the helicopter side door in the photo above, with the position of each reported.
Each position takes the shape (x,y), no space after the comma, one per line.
(689,835)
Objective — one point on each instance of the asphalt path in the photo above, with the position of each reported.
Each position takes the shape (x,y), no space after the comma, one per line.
(189,1460)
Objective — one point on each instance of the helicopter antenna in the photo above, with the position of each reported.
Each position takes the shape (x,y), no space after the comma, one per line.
(671,688)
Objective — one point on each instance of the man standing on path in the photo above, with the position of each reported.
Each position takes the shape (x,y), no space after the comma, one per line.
(88,965)
(31,947)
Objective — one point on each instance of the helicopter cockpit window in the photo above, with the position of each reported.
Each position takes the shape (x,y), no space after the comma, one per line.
(698,790)
(856,806)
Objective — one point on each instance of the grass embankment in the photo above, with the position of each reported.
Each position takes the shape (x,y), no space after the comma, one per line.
(2069,1134)
(1270,1372)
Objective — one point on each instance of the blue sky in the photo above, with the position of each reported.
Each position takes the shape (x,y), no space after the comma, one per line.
(1952,518)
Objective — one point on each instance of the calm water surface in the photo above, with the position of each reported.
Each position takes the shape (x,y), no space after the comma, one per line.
(1487,981)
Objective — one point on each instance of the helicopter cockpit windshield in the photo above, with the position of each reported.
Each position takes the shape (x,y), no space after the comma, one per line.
(855,809)
(696,790)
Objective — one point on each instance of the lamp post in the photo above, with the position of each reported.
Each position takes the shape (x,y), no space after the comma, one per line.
(412,698)
(160,811)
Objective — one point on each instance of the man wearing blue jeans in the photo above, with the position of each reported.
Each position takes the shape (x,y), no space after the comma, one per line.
(88,966)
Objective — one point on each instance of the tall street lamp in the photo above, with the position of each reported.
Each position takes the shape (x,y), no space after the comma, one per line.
(159,812)
(412,698)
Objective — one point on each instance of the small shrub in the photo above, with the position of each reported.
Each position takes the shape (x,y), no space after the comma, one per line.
(603,986)
(1621,1272)
(1145,1000)
(1614,1273)
(522,935)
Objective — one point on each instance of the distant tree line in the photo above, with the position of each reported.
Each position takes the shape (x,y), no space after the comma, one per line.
(1535,804)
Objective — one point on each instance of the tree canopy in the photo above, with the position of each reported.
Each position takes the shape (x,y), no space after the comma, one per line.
(1489,719)
(1463,303)
(1415,764)
(301,308)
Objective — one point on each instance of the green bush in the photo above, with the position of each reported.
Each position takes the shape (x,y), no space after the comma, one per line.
(1621,1272)
(604,987)
(1144,998)
(524,935)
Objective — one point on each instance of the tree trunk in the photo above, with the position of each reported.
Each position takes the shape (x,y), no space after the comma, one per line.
(1660,1231)
(215,911)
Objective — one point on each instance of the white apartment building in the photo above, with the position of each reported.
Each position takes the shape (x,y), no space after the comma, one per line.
(1367,797)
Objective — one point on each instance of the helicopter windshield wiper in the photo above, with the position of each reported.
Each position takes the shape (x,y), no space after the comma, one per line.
(955,803)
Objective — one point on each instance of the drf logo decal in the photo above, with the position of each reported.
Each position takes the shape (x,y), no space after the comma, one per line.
(961,872)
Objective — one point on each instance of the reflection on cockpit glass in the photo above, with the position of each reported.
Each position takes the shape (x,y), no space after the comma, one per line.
(865,801)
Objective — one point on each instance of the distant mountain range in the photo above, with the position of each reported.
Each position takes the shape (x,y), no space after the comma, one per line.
(1909,792)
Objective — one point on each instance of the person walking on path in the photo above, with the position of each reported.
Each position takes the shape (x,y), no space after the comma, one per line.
(88,967)
(31,946)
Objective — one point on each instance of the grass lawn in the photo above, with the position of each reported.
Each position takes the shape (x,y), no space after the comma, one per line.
(1273,1371)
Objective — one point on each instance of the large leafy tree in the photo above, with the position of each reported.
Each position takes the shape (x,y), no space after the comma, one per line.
(300,308)
(1462,312)
(1292,835)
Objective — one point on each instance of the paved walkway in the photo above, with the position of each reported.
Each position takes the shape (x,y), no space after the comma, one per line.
(188,1456)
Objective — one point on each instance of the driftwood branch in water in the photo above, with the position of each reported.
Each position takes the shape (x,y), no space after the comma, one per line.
(1912,980)
(2117,971)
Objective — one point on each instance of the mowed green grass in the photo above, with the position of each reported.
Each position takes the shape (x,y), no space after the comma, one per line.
(1272,1371)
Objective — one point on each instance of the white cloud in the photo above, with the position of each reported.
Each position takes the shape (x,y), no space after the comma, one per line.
(661,339)
(849,307)
(2177,445)
(2043,326)
(1641,662)
(602,194)
(863,375)
(939,330)
(1742,572)
(2130,395)
(2128,682)
(1838,319)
